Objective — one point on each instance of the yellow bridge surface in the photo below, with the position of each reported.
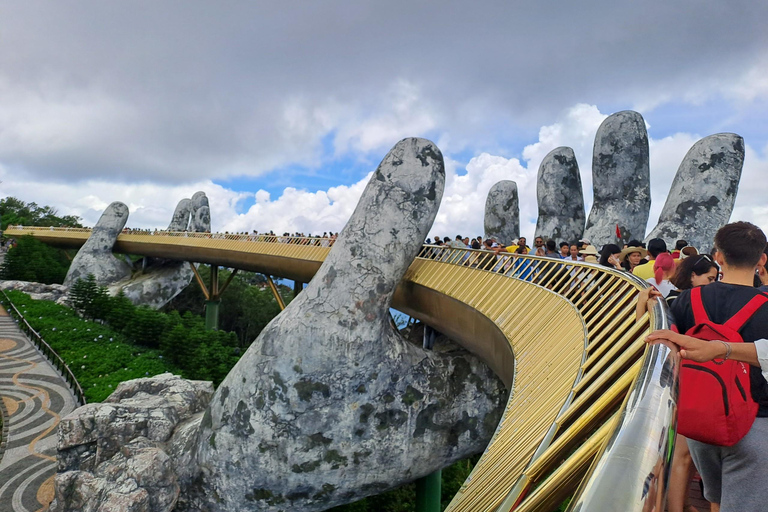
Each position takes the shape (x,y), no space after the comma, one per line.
(562,336)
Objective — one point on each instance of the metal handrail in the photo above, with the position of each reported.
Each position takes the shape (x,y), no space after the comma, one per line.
(650,408)
(50,354)
(628,445)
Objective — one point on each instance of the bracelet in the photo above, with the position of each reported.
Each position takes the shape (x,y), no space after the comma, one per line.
(727,353)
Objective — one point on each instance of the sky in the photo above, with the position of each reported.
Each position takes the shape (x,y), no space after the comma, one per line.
(279,111)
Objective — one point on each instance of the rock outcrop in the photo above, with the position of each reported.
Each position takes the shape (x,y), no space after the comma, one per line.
(502,212)
(701,198)
(95,256)
(330,404)
(112,456)
(560,198)
(620,179)
(37,291)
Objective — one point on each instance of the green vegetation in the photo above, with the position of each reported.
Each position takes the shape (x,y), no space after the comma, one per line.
(17,212)
(115,341)
(32,260)
(99,357)
(182,339)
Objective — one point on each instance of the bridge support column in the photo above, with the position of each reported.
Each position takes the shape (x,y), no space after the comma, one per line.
(212,295)
(297,288)
(428,491)
(212,314)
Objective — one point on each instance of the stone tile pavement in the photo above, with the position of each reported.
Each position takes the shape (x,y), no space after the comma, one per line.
(33,397)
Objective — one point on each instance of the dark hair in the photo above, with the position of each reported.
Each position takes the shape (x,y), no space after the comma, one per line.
(564,244)
(475,244)
(680,244)
(551,246)
(607,251)
(742,244)
(635,243)
(698,265)
(656,246)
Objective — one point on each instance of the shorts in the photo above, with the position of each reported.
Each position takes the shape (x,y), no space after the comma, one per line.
(735,476)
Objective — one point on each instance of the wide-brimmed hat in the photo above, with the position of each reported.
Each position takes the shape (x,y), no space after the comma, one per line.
(688,250)
(629,250)
(589,250)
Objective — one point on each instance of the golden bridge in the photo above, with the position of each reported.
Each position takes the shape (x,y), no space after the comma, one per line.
(592,409)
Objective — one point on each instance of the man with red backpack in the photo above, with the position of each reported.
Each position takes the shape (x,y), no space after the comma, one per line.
(734,471)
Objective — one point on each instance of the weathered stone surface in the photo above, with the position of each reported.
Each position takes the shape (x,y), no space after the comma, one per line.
(37,291)
(95,256)
(162,280)
(502,212)
(330,404)
(701,198)
(560,197)
(180,219)
(200,221)
(620,179)
(138,478)
(112,455)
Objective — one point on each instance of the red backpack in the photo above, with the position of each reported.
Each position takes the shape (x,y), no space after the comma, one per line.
(716,404)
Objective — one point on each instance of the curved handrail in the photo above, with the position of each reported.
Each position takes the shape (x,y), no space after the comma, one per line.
(618,365)
(50,354)
(651,406)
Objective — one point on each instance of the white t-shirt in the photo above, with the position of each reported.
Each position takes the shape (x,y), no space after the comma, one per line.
(664,287)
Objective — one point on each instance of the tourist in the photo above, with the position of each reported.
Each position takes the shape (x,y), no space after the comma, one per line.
(573,252)
(551,250)
(610,256)
(646,271)
(538,242)
(565,250)
(589,254)
(631,257)
(663,270)
(733,476)
(679,245)
(692,272)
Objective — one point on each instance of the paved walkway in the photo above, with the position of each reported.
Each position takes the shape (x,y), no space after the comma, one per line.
(33,396)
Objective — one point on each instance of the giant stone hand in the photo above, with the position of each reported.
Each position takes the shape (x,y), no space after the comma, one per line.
(330,403)
(159,280)
(700,201)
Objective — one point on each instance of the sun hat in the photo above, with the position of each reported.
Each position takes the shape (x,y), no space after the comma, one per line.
(590,250)
(629,250)
(688,250)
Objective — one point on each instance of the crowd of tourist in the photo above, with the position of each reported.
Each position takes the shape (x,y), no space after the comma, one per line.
(654,264)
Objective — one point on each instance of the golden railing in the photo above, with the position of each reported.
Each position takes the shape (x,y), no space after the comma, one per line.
(569,327)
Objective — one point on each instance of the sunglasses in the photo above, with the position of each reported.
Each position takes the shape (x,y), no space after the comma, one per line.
(704,257)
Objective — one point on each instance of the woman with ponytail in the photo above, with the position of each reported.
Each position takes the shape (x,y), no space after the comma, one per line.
(663,270)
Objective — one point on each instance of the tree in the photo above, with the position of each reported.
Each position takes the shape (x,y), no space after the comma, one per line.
(32,260)
(15,211)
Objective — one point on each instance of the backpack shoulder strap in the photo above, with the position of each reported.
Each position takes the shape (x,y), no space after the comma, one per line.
(737,321)
(699,313)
